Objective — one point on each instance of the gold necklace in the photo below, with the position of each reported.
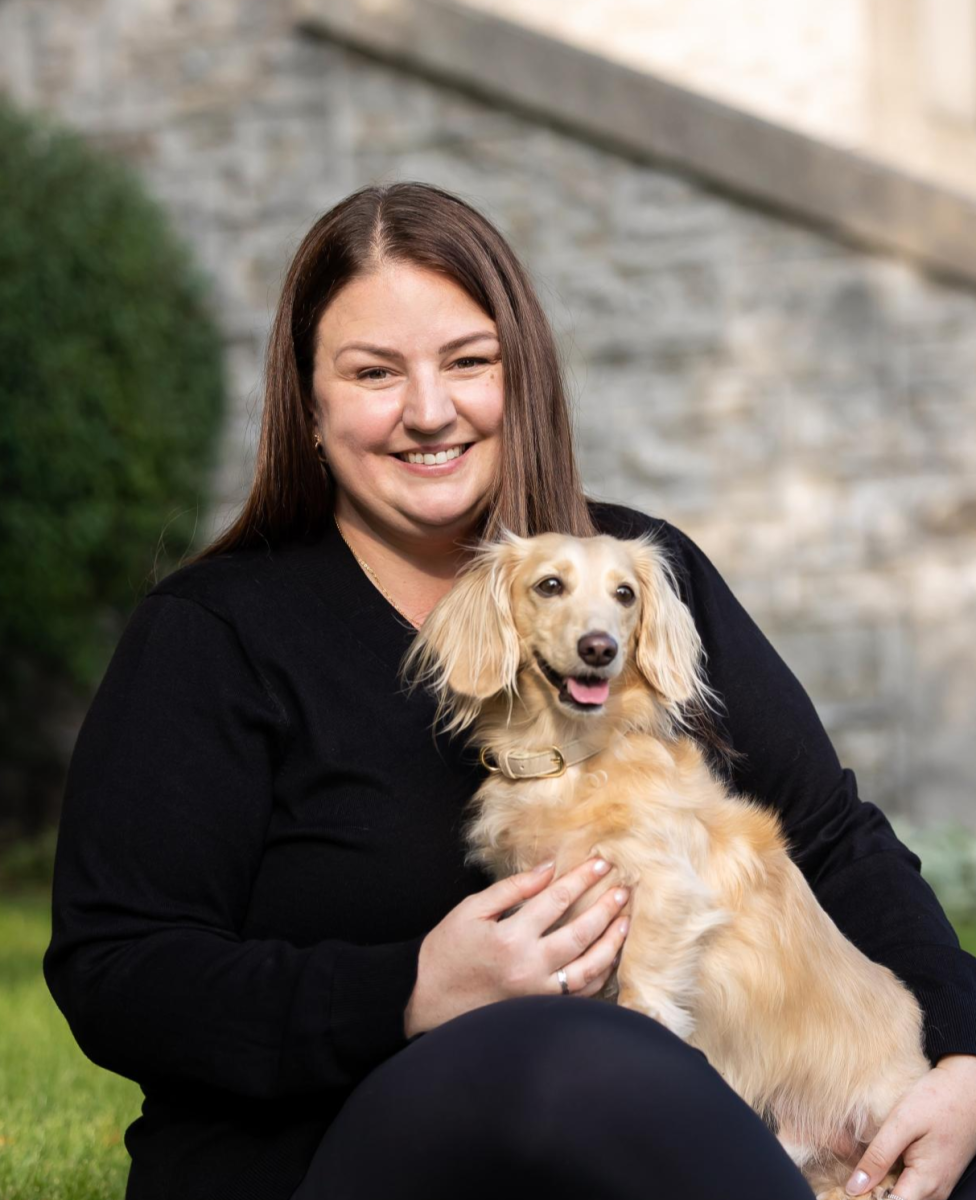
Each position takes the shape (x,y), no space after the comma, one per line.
(372,575)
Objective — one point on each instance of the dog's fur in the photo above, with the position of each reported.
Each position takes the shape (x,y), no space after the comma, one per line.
(728,947)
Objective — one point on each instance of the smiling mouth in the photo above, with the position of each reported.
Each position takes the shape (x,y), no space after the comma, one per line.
(583,692)
(427,459)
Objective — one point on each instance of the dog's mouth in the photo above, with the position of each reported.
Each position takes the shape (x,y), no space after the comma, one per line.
(584,692)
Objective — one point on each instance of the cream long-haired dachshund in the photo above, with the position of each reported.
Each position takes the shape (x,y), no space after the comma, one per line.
(576,660)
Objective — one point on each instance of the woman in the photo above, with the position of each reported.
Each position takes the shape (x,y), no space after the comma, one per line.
(261,909)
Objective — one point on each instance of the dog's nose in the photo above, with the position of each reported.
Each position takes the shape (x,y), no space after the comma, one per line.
(597,649)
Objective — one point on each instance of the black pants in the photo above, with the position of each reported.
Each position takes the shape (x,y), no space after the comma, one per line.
(552,1096)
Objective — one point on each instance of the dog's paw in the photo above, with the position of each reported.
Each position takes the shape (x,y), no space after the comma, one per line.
(880,1192)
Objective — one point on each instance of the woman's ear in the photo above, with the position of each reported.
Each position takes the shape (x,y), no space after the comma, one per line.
(467,649)
(669,648)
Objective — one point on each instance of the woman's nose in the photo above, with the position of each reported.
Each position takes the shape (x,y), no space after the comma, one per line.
(428,405)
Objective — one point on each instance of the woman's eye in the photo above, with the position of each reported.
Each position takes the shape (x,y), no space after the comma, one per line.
(379,374)
(625,594)
(550,586)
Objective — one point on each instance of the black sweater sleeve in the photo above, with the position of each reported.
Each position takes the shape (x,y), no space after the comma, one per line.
(865,878)
(168,797)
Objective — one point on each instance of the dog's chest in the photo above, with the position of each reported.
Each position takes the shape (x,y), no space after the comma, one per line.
(516,824)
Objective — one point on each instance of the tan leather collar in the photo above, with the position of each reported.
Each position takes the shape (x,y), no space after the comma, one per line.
(544,764)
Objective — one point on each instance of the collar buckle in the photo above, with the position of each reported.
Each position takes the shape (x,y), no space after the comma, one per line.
(560,765)
(521,767)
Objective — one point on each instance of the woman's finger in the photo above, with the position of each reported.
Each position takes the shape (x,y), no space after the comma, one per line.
(586,975)
(577,936)
(544,909)
(499,897)
(596,987)
(601,981)
(896,1133)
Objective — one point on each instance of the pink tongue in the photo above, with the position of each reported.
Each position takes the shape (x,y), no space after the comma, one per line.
(588,693)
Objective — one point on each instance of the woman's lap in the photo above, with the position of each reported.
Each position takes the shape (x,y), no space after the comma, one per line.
(570,1096)
(567,1096)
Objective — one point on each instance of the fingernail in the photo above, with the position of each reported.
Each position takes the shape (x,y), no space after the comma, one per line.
(543,867)
(601,866)
(620,895)
(857,1183)
(624,925)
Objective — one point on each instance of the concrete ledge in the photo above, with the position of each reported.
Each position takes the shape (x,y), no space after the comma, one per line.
(852,197)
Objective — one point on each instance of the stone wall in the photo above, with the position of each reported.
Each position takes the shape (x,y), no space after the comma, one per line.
(805,411)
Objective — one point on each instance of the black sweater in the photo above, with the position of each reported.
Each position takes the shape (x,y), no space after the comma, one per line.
(259,829)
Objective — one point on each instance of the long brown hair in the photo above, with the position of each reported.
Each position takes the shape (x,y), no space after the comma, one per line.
(538,487)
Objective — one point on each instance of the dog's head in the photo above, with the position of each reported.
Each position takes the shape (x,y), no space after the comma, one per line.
(576,611)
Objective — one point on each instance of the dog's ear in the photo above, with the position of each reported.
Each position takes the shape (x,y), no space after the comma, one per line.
(467,649)
(669,648)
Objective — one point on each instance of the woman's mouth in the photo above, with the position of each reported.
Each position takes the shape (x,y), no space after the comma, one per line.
(429,460)
(445,460)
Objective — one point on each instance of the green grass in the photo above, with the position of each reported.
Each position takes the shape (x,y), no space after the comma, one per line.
(61,1117)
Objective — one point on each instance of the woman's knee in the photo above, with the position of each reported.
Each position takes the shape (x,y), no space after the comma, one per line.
(588,1094)
(603,1097)
(551,1059)
(544,1036)
(569,1091)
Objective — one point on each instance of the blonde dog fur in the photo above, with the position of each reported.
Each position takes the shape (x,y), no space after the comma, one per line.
(728,947)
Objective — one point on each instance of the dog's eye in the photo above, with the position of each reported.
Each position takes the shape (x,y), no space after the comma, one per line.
(625,594)
(550,586)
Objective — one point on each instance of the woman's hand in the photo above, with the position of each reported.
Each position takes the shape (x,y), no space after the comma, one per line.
(933,1127)
(472,958)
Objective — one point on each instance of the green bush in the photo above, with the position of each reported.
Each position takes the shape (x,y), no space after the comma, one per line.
(111,396)
(27,864)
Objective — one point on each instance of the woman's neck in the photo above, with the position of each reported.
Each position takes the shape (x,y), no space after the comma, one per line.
(413,571)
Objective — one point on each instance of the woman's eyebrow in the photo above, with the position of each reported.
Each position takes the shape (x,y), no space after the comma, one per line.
(385,352)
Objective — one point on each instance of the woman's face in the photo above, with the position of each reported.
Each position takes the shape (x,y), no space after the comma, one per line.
(407,364)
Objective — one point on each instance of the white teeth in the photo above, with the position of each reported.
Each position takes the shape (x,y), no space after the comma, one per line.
(431,460)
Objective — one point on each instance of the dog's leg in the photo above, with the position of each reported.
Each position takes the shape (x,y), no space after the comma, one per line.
(877,1102)
(827,1177)
(824,1170)
(671,912)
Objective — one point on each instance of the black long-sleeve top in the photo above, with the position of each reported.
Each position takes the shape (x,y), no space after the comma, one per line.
(259,828)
